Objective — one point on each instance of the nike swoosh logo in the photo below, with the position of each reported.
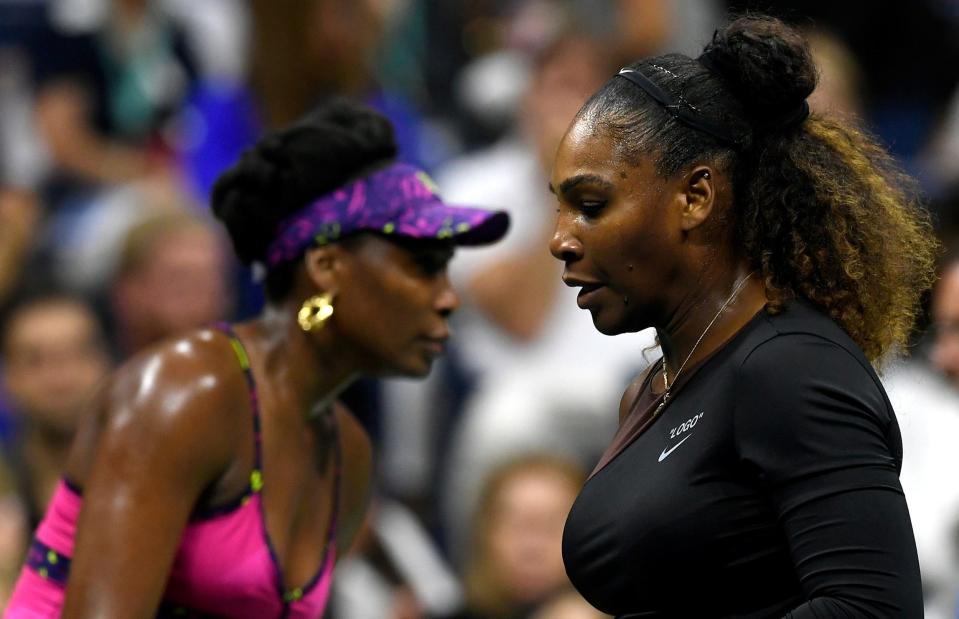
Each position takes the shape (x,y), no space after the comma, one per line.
(666,452)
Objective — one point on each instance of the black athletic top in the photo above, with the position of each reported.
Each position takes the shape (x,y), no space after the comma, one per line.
(768,487)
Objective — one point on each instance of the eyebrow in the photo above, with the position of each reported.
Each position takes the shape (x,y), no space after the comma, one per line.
(445,251)
(579,179)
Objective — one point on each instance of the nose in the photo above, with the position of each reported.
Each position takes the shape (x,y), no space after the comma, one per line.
(447,301)
(564,246)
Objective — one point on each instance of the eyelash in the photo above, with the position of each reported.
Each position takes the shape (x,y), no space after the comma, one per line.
(431,265)
(591,207)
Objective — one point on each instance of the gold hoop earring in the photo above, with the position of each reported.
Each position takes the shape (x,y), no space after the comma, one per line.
(315,311)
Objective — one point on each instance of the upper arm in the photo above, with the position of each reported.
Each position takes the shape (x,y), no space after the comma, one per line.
(814,428)
(162,441)
(357,476)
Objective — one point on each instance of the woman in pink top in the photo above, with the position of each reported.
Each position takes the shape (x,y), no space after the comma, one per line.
(217,475)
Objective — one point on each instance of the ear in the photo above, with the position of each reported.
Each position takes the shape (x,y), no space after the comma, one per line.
(699,189)
(324,267)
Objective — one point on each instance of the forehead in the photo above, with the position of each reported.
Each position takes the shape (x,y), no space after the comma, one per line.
(585,145)
(194,242)
(536,485)
(588,151)
(56,321)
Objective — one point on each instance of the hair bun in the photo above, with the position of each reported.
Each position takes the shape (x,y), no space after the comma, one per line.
(263,175)
(288,168)
(766,65)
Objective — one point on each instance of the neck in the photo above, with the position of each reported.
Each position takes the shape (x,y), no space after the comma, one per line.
(310,369)
(45,453)
(47,440)
(699,325)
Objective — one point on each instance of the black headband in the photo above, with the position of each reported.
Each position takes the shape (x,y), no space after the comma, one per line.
(688,115)
(684,114)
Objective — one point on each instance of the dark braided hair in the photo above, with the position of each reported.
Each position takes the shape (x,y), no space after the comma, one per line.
(287,169)
(820,209)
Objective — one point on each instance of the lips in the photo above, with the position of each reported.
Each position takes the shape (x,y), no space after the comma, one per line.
(435,345)
(589,288)
(587,294)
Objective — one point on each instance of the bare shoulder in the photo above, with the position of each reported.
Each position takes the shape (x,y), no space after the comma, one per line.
(179,393)
(192,379)
(357,474)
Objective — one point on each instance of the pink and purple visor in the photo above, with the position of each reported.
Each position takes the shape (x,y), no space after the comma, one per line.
(397,200)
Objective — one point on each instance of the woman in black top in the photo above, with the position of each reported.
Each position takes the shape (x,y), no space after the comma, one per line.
(778,255)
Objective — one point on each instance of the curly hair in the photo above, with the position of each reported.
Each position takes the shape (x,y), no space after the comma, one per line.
(286,169)
(820,209)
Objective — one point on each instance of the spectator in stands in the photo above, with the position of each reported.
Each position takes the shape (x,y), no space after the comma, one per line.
(171,277)
(106,93)
(945,313)
(19,215)
(54,355)
(925,394)
(515,561)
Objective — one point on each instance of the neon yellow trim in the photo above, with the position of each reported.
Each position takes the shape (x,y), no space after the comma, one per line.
(429,182)
(240,354)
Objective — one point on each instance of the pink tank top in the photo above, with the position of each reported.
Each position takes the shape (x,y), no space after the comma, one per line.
(225,565)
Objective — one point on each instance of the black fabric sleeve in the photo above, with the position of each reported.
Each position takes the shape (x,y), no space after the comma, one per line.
(814,427)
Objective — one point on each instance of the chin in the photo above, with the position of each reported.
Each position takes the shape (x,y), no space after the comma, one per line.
(408,368)
(606,326)
(420,372)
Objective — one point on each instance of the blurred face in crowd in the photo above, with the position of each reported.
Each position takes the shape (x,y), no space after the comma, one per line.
(526,531)
(343,35)
(178,284)
(838,90)
(569,72)
(53,359)
(945,314)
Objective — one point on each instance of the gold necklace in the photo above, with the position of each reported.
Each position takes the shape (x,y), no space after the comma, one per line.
(736,289)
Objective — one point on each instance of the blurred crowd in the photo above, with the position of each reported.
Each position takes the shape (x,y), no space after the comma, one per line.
(116,116)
